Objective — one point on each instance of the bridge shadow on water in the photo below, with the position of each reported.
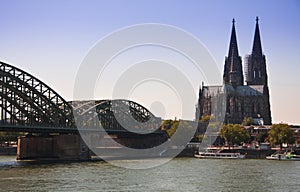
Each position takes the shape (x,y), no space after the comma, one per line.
(9,162)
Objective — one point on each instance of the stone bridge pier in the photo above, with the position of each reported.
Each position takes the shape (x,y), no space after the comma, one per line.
(73,147)
(52,147)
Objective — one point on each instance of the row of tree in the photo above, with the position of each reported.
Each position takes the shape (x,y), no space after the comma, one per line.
(236,134)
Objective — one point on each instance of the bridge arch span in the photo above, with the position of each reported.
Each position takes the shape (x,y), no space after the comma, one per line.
(118,114)
(27,101)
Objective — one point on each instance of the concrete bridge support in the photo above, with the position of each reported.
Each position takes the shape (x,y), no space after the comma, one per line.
(54,147)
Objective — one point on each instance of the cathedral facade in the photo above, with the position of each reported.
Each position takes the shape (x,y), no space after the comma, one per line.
(246,95)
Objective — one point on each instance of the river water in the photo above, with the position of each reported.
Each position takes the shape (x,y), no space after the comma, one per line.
(180,174)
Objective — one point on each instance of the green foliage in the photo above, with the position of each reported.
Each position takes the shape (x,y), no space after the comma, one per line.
(184,133)
(199,137)
(247,121)
(214,126)
(205,118)
(281,133)
(173,128)
(166,124)
(170,126)
(261,137)
(234,134)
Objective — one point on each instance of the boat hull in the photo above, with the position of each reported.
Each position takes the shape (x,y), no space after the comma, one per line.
(220,156)
(284,157)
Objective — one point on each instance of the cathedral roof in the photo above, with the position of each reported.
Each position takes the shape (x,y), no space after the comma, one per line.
(253,90)
(210,91)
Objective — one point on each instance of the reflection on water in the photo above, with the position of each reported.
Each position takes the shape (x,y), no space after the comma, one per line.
(181,174)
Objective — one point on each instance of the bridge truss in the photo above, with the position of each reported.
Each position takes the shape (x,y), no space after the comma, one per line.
(32,106)
(27,101)
(119,115)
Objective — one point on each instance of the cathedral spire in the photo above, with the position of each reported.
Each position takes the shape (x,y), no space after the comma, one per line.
(233,48)
(255,64)
(233,73)
(257,50)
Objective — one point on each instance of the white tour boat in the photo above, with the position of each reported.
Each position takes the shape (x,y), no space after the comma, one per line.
(219,155)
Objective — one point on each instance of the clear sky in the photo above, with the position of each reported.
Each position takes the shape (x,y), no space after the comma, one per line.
(49,39)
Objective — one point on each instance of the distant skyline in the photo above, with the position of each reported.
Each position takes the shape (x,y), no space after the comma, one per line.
(50,39)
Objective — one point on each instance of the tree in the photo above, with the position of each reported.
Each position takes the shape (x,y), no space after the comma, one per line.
(166,124)
(234,134)
(247,121)
(205,118)
(170,126)
(261,137)
(173,128)
(281,133)
(199,138)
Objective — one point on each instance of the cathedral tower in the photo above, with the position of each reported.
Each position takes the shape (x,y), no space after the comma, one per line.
(256,75)
(233,73)
(255,64)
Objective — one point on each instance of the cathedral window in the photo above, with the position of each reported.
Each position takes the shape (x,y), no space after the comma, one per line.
(255,73)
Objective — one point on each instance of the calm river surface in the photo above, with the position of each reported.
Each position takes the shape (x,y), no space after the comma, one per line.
(180,174)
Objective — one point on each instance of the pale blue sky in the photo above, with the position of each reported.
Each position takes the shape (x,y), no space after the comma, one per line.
(49,39)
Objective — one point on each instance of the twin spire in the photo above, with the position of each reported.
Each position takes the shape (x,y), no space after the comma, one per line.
(257,50)
(233,73)
(233,47)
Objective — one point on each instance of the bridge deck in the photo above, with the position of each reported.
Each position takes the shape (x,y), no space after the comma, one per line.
(37,129)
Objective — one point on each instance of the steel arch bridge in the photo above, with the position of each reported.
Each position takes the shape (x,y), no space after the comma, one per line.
(28,104)
(27,101)
(119,115)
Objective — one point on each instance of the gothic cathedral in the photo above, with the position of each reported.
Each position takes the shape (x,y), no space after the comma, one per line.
(249,99)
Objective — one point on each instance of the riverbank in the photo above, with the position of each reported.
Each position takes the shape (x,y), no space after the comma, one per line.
(187,152)
(248,152)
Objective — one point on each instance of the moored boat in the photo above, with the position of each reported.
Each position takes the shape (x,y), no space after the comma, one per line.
(219,155)
(289,156)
